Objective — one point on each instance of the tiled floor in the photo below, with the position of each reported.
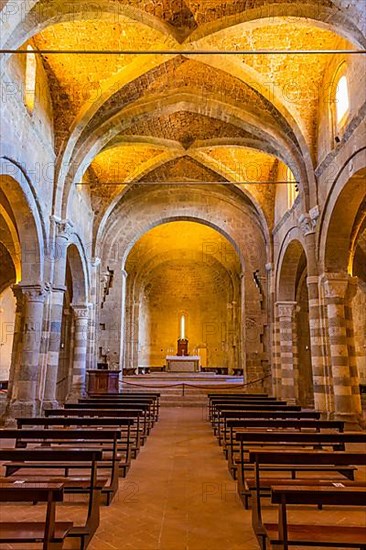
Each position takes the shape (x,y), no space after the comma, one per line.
(178,495)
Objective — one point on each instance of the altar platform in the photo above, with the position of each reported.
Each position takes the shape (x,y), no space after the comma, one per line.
(182,363)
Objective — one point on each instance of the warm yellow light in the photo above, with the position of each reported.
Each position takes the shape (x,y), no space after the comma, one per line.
(30,79)
(342,99)
(182,327)
(292,191)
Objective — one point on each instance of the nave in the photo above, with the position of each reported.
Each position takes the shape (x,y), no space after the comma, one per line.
(178,494)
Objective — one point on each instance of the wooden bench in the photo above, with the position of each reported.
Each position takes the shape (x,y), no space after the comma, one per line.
(283,535)
(44,458)
(132,395)
(240,411)
(105,440)
(339,460)
(144,407)
(231,427)
(50,532)
(151,414)
(139,429)
(316,440)
(125,425)
(239,399)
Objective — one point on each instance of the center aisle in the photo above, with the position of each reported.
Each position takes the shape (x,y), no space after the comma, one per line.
(178,494)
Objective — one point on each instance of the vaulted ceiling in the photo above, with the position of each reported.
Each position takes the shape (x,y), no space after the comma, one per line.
(183,115)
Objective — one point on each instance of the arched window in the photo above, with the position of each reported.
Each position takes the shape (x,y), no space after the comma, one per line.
(342,100)
(292,188)
(30,79)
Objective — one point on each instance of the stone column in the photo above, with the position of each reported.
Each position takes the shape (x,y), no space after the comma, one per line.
(17,339)
(288,350)
(347,403)
(355,379)
(63,233)
(123,317)
(94,313)
(25,400)
(276,358)
(243,351)
(81,321)
(307,224)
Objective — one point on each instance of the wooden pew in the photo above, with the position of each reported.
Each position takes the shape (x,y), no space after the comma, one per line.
(144,406)
(239,411)
(117,400)
(50,532)
(231,427)
(132,395)
(237,398)
(124,445)
(140,426)
(59,439)
(44,458)
(340,460)
(250,439)
(119,403)
(284,534)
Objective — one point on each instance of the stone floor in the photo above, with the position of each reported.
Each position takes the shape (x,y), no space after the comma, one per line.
(178,495)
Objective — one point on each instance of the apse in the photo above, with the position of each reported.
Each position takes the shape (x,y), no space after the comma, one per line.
(183,283)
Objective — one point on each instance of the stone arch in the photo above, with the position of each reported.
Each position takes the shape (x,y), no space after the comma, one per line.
(21,22)
(29,224)
(287,266)
(343,214)
(286,150)
(79,275)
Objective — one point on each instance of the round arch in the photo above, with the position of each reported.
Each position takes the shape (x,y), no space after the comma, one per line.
(344,212)
(17,190)
(288,266)
(79,275)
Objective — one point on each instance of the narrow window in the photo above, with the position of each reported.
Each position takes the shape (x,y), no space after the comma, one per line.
(342,101)
(30,79)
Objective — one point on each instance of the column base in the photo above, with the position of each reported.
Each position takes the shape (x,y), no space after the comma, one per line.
(51,404)
(17,409)
(352,421)
(75,394)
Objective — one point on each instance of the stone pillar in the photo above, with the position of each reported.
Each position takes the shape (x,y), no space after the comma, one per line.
(81,321)
(307,223)
(276,358)
(243,351)
(63,233)
(94,313)
(288,350)
(338,294)
(17,339)
(25,400)
(355,379)
(123,317)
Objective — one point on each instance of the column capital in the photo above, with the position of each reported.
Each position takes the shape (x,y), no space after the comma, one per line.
(95,261)
(31,293)
(337,285)
(64,228)
(269,267)
(307,222)
(81,311)
(286,309)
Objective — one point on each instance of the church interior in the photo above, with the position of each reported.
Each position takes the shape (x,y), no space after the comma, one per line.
(182,274)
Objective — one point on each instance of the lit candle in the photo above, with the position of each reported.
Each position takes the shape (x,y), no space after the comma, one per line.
(182,327)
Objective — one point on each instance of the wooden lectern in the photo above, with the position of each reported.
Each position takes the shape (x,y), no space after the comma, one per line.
(103,381)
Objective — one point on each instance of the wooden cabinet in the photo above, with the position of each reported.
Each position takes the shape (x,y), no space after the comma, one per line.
(103,381)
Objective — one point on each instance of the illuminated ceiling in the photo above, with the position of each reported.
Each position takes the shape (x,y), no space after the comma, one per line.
(174,117)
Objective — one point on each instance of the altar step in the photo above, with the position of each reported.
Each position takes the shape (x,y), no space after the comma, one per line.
(182,389)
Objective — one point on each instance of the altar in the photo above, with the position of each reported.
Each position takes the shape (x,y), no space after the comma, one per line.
(182,363)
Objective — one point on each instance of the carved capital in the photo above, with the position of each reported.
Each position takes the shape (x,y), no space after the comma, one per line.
(81,311)
(31,293)
(339,285)
(64,229)
(285,309)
